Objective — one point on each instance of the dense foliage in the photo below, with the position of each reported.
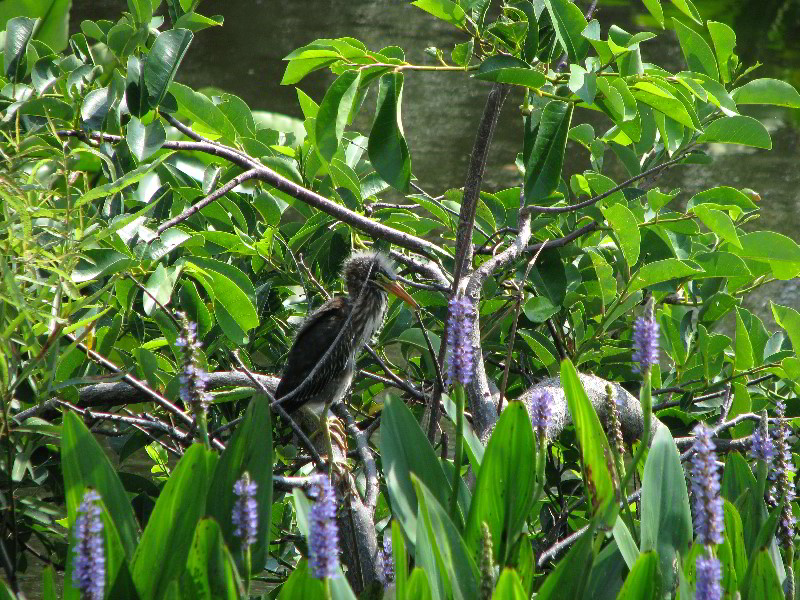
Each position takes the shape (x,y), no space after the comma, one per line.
(161,244)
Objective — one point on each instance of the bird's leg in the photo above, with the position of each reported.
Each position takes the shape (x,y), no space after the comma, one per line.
(333,431)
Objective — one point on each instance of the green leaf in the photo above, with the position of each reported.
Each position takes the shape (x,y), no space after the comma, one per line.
(725,197)
(644,580)
(788,319)
(569,23)
(19,32)
(625,226)
(724,39)
(654,7)
(99,262)
(735,537)
(307,60)
(418,587)
(568,580)
(446,10)
(658,272)
(688,8)
(509,587)
(145,140)
(538,309)
(584,85)
(744,349)
(440,550)
(767,91)
(85,465)
(163,61)
(335,112)
(167,539)
(664,101)
(781,252)
(718,222)
(210,572)
(142,11)
(625,542)
(120,184)
(201,109)
(738,129)
(197,22)
(405,450)
(544,165)
(387,147)
(666,517)
(696,51)
(301,584)
(503,495)
(763,581)
(595,451)
(508,69)
(229,286)
(462,53)
(249,450)
(159,285)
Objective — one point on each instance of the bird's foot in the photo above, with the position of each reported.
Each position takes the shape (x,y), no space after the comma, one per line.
(333,445)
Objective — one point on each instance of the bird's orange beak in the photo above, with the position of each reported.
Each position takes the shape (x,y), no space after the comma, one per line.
(396,289)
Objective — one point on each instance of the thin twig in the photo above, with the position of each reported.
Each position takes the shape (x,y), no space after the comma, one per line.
(275,405)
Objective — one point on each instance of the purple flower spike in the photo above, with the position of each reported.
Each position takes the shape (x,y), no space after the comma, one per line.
(709,576)
(783,486)
(323,534)
(245,510)
(459,331)
(709,522)
(761,445)
(89,567)
(541,409)
(388,559)
(646,345)
(193,378)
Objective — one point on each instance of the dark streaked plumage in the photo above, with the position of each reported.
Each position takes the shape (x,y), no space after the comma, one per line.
(320,332)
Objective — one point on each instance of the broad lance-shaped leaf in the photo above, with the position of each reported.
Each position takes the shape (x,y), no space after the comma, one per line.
(387,147)
(249,450)
(696,50)
(85,465)
(508,69)
(163,61)
(405,450)
(145,140)
(644,580)
(503,495)
(666,517)
(568,580)
(543,165)
(335,112)
(446,10)
(738,129)
(441,551)
(210,571)
(659,271)
(569,23)
(19,32)
(595,451)
(767,91)
(164,547)
(626,228)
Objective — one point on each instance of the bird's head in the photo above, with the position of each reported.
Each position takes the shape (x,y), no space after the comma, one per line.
(377,271)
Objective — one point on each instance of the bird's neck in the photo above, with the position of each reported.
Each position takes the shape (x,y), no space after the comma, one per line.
(369,310)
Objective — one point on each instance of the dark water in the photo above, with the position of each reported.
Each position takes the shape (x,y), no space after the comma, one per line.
(440,111)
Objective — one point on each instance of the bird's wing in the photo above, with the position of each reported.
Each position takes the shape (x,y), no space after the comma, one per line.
(312,341)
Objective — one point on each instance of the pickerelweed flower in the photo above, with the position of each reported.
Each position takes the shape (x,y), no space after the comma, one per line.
(245,510)
(709,521)
(761,445)
(541,409)
(323,533)
(646,343)
(486,563)
(709,577)
(388,558)
(613,402)
(89,567)
(193,378)
(459,331)
(783,486)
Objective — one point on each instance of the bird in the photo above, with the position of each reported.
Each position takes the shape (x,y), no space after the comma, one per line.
(319,366)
